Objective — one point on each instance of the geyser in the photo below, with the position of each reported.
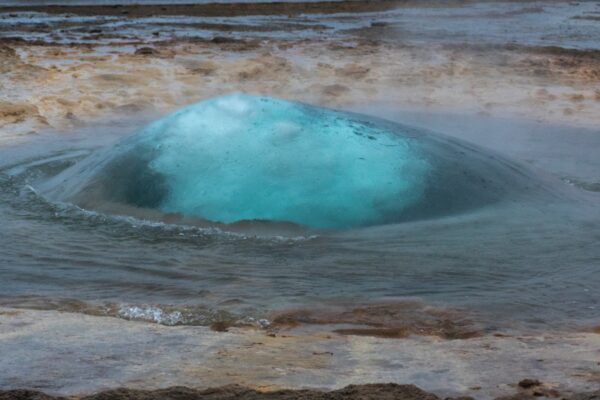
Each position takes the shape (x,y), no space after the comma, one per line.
(240,157)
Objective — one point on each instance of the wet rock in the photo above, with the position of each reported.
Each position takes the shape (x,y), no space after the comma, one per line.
(25,395)
(380,392)
(220,326)
(533,388)
(518,396)
(529,383)
(223,39)
(146,51)
(73,119)
(388,391)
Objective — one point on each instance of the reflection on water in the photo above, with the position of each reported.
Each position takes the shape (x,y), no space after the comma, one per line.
(531,262)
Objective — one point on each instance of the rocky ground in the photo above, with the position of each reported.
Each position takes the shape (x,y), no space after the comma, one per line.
(65,86)
(72,354)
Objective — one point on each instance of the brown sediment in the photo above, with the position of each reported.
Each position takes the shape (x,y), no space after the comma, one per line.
(14,113)
(8,57)
(334,90)
(202,67)
(263,66)
(10,313)
(552,61)
(393,319)
(354,71)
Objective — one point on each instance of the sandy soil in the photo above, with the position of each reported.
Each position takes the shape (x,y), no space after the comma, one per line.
(65,86)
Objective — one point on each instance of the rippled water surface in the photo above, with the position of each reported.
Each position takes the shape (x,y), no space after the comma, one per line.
(565,24)
(531,260)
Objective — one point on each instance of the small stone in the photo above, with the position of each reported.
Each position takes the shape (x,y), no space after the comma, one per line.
(220,326)
(529,383)
(146,51)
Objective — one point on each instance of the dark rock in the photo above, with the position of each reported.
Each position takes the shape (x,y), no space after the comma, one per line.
(220,326)
(518,396)
(146,51)
(529,383)
(25,395)
(378,24)
(389,391)
(223,39)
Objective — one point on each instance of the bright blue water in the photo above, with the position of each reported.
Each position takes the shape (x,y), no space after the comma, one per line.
(241,157)
(250,158)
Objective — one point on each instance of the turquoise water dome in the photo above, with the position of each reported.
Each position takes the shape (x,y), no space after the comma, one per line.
(245,158)
(241,157)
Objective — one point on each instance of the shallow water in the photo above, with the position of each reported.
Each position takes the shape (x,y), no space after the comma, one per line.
(564,24)
(127,2)
(530,262)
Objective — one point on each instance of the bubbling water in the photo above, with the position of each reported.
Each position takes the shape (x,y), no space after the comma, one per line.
(245,158)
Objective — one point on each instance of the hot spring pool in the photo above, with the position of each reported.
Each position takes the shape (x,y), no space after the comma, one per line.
(241,205)
(240,158)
